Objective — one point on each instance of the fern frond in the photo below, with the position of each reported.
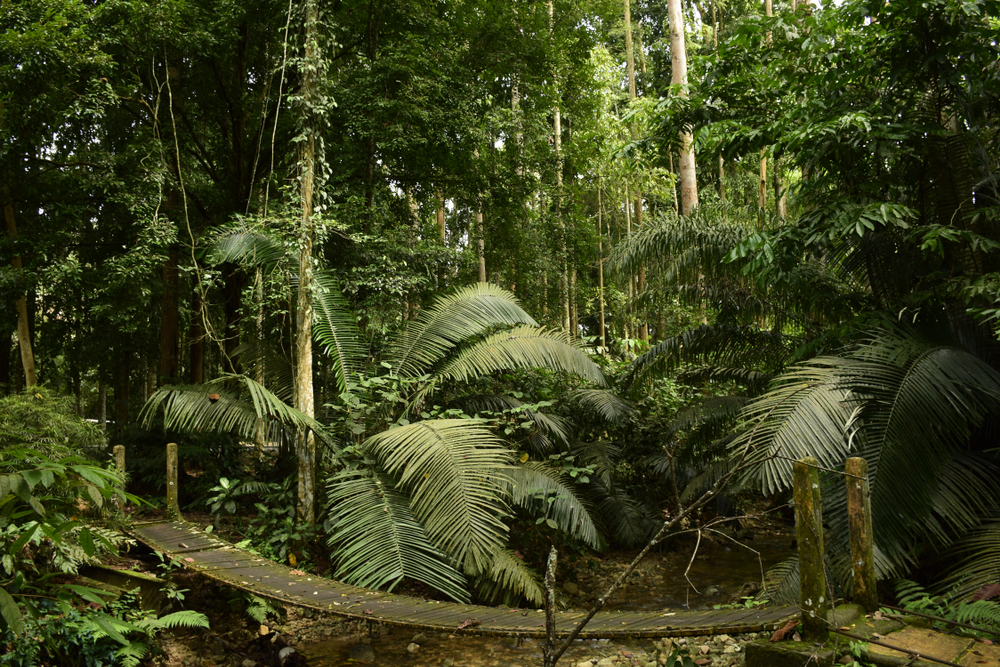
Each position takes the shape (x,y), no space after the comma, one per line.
(508,581)
(546,491)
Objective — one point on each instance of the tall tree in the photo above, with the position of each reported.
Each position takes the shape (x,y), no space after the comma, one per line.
(678,77)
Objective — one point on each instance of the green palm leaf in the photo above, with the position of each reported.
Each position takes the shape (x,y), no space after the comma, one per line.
(194,408)
(470,311)
(335,328)
(377,541)
(455,472)
(520,347)
(242,246)
(547,491)
(508,580)
(604,405)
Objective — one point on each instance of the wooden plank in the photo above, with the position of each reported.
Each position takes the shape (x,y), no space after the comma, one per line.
(232,566)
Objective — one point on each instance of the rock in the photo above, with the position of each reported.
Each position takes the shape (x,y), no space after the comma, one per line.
(724,639)
(682,641)
(447,662)
(704,649)
(585,663)
(361,653)
(419,638)
(412,648)
(287,655)
(713,590)
(571,588)
(606,662)
(248,663)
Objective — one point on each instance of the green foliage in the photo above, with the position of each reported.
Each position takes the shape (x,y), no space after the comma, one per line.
(983,614)
(62,635)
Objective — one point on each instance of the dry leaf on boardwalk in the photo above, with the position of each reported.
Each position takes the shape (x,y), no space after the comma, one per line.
(469,623)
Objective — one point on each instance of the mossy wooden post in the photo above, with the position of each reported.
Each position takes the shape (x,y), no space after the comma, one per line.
(809,534)
(173,508)
(859,514)
(120,457)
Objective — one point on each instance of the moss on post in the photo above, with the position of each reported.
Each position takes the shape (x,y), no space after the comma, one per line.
(120,457)
(173,508)
(859,514)
(809,533)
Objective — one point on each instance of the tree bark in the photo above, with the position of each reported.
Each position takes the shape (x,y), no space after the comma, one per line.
(600,267)
(557,143)
(23,329)
(196,339)
(305,442)
(169,318)
(678,57)
(480,241)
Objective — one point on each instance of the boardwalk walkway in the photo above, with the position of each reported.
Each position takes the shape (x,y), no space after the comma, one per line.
(234,567)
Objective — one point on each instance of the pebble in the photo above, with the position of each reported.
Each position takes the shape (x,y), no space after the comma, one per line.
(249,663)
(704,649)
(419,638)
(585,663)
(447,662)
(412,648)
(606,662)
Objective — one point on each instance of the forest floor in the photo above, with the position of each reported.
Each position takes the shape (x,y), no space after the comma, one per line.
(720,572)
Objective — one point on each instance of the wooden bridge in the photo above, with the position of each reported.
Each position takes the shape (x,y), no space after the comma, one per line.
(225,563)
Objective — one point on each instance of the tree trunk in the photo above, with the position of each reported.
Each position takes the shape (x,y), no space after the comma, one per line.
(678,57)
(557,143)
(122,393)
(23,329)
(600,268)
(169,318)
(762,193)
(196,339)
(102,403)
(233,289)
(480,241)
(780,201)
(305,442)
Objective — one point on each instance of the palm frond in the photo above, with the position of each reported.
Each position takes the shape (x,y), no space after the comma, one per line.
(974,560)
(455,472)
(508,581)
(377,541)
(470,311)
(720,345)
(242,246)
(195,408)
(804,414)
(549,429)
(520,347)
(335,328)
(781,582)
(269,363)
(547,491)
(627,521)
(604,405)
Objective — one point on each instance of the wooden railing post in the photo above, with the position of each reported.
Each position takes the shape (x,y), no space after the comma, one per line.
(859,515)
(173,508)
(809,534)
(120,458)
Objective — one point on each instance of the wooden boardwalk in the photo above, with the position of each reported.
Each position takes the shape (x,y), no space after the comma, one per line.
(234,567)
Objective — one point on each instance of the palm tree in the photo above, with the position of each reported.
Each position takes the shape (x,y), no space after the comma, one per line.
(410,495)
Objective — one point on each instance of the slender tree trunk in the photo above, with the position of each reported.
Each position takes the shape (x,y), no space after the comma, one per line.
(629,54)
(305,442)
(5,366)
(678,57)
(196,339)
(122,393)
(762,191)
(23,328)
(600,267)
(780,200)
(557,142)
(169,318)
(102,403)
(480,240)
(439,218)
